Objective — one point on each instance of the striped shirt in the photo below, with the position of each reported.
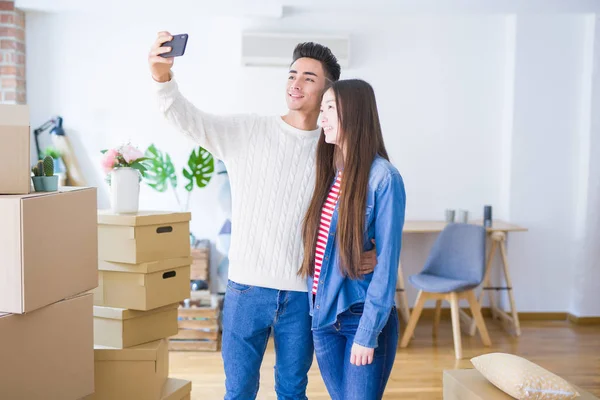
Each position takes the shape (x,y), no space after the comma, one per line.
(326,215)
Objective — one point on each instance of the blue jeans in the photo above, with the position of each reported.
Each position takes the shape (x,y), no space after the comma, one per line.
(333,345)
(250,315)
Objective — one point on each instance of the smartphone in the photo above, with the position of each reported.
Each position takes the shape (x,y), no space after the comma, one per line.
(177,45)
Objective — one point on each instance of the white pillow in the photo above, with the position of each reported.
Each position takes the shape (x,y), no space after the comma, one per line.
(521,378)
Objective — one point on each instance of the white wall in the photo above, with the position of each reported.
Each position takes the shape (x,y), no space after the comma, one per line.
(548,94)
(586,274)
(444,86)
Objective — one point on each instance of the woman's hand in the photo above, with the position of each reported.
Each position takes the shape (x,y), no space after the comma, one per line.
(360,355)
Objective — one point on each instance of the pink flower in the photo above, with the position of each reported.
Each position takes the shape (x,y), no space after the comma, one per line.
(108,160)
(131,153)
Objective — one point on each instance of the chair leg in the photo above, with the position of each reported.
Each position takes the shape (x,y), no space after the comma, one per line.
(401,299)
(487,283)
(478,318)
(456,325)
(414,317)
(436,317)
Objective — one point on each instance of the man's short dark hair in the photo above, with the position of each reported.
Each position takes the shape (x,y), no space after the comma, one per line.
(320,53)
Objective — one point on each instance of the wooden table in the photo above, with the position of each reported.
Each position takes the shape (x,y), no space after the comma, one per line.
(497,234)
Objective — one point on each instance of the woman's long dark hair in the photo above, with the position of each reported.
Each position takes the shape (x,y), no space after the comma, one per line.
(360,134)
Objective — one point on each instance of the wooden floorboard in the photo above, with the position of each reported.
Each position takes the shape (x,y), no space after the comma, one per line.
(571,351)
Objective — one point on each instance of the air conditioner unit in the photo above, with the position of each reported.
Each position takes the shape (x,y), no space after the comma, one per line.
(276,49)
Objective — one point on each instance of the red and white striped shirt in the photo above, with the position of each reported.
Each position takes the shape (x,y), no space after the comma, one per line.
(326,215)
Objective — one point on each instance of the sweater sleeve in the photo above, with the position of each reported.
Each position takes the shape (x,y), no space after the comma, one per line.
(223,136)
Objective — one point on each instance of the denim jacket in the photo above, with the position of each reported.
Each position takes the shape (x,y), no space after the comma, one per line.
(384,221)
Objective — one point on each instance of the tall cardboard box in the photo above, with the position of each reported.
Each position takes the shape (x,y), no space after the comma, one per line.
(138,372)
(48,248)
(143,237)
(14,141)
(48,353)
(119,327)
(144,286)
(469,384)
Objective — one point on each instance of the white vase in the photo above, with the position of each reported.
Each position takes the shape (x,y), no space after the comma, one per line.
(124,190)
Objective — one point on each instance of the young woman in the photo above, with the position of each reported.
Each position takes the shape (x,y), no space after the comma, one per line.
(359,200)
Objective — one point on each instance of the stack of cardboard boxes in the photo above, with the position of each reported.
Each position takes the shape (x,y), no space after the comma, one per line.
(48,260)
(143,275)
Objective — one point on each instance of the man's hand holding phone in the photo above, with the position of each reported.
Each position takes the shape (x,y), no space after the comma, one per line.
(162,53)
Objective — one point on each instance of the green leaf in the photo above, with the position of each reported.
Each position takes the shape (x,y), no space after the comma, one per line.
(190,185)
(139,167)
(103,151)
(171,172)
(159,170)
(141,159)
(201,168)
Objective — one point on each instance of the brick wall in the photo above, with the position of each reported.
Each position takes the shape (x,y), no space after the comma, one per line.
(12,54)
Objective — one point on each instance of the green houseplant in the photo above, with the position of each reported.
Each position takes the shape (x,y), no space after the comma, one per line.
(43,178)
(161,174)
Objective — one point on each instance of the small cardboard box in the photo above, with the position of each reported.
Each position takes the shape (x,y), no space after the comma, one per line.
(200,265)
(14,141)
(120,328)
(48,248)
(138,372)
(48,353)
(143,286)
(143,237)
(469,384)
(177,389)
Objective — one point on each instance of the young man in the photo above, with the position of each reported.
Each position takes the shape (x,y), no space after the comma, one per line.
(271,165)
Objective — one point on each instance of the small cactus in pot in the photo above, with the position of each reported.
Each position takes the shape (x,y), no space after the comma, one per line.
(44,179)
(48,166)
(38,169)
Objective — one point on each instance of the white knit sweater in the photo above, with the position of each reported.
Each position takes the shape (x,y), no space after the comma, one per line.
(271,169)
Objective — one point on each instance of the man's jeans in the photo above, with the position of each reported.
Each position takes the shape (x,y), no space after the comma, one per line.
(250,315)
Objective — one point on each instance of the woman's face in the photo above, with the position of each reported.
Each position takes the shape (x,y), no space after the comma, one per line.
(329,118)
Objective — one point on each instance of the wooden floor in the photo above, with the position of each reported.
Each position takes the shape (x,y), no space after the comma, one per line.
(571,351)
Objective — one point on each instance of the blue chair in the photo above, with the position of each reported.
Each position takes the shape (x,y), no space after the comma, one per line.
(454,268)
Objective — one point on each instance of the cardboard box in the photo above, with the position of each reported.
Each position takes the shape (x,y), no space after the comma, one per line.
(469,384)
(200,265)
(143,286)
(48,353)
(14,140)
(48,248)
(138,372)
(143,237)
(177,389)
(119,327)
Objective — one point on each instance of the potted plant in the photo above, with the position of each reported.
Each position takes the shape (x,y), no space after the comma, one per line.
(43,178)
(161,174)
(124,169)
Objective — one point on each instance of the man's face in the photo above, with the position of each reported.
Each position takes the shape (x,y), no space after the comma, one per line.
(306,81)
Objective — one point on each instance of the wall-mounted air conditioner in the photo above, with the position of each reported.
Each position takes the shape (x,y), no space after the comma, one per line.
(276,49)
